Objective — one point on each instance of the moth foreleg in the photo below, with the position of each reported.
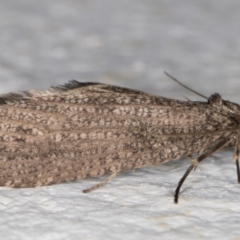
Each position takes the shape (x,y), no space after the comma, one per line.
(207,153)
(236,156)
(101,183)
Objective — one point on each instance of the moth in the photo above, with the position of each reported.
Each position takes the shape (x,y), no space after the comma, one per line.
(82,130)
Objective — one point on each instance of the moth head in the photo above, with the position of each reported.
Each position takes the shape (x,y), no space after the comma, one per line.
(216,101)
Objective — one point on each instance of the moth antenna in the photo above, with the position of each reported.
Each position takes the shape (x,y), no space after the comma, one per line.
(181,84)
(186,98)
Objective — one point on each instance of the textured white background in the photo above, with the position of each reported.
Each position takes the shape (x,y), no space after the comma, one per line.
(128,43)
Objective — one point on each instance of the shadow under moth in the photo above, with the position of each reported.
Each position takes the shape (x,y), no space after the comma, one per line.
(82,130)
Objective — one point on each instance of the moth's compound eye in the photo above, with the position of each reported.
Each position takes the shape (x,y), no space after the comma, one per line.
(215,99)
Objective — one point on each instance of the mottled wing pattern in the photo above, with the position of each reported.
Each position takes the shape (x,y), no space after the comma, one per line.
(83,130)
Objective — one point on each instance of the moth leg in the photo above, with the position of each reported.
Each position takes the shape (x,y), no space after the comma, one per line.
(236,156)
(207,153)
(238,170)
(101,183)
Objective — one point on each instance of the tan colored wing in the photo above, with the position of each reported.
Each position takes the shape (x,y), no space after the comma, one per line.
(82,130)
